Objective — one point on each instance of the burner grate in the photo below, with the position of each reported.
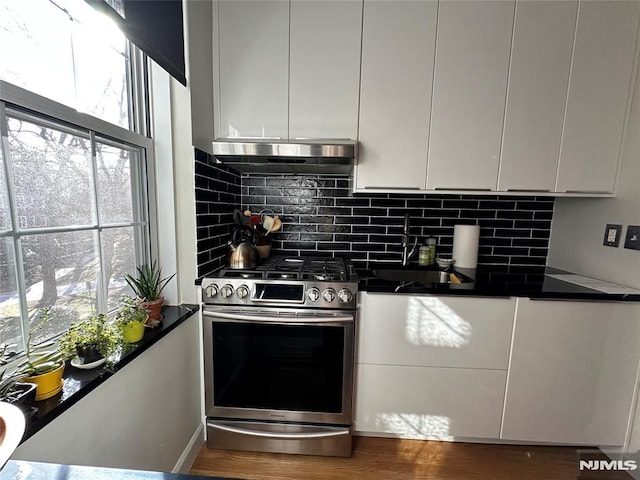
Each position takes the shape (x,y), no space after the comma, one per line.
(295,268)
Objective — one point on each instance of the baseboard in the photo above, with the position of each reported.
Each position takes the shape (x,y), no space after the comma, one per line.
(490,441)
(190,452)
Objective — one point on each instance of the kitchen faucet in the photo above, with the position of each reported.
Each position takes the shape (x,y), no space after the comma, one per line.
(406,254)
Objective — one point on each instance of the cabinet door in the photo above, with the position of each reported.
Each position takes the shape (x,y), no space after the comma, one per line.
(398,42)
(426,330)
(324,67)
(598,92)
(573,372)
(254,68)
(538,78)
(429,403)
(470,82)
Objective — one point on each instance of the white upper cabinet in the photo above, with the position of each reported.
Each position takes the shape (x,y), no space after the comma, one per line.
(288,70)
(324,73)
(254,60)
(398,44)
(598,94)
(470,82)
(538,79)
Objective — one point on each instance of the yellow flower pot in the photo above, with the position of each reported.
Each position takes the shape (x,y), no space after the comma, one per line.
(48,384)
(133,332)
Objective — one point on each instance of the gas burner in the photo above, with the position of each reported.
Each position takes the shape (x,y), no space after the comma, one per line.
(323,277)
(241,274)
(283,275)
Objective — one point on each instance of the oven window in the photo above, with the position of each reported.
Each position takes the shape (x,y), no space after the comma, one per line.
(278,367)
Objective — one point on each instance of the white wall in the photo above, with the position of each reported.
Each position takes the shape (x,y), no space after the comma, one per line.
(185,201)
(577,231)
(144,417)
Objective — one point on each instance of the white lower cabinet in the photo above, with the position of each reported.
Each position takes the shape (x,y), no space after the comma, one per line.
(428,402)
(505,369)
(573,372)
(432,366)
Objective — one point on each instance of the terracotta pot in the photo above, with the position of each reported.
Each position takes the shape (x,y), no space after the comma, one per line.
(48,384)
(155,309)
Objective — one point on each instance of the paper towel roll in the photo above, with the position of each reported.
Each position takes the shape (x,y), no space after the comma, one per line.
(465,245)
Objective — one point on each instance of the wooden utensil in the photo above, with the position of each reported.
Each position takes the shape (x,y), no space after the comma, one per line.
(277,225)
(267,223)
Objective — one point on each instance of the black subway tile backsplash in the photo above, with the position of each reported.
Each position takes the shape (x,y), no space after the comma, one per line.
(322,217)
(218,193)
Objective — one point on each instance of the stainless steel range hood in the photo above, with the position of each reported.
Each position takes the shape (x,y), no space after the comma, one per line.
(336,157)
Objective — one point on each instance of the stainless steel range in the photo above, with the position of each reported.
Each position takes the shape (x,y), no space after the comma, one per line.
(279,347)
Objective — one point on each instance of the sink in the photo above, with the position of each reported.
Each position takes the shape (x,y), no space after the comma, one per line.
(420,275)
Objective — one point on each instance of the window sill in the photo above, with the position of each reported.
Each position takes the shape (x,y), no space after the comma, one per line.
(79,383)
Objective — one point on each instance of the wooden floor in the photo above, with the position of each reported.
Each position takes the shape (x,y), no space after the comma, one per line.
(391,459)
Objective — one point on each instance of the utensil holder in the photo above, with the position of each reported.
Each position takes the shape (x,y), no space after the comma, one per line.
(264,250)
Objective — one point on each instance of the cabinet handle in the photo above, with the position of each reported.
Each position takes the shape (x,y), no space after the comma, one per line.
(585,191)
(391,188)
(465,189)
(527,190)
(327,140)
(240,139)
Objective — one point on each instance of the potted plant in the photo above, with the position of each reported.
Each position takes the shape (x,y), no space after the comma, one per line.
(42,365)
(90,340)
(131,318)
(148,286)
(12,390)
(20,394)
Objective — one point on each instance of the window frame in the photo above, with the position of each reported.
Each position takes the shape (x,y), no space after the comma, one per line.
(14,99)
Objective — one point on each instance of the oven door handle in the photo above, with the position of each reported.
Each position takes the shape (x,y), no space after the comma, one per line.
(266,318)
(292,436)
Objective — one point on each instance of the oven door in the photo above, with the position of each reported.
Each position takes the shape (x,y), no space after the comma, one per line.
(279,364)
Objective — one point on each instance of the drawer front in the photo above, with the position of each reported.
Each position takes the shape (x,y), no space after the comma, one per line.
(425,330)
(429,403)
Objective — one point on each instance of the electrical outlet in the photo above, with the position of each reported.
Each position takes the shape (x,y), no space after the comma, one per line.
(612,235)
(632,240)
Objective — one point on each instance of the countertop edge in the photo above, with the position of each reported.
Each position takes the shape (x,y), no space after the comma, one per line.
(596,296)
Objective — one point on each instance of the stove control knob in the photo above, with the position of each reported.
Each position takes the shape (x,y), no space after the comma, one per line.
(329,295)
(345,295)
(211,291)
(226,291)
(313,294)
(242,291)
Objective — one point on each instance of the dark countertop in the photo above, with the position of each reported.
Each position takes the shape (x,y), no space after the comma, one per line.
(495,281)
(51,471)
(78,383)
(490,281)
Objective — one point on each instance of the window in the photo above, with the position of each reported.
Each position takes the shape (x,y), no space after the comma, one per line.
(74,214)
(67,51)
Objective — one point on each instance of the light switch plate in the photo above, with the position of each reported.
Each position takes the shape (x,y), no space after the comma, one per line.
(612,234)
(632,239)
